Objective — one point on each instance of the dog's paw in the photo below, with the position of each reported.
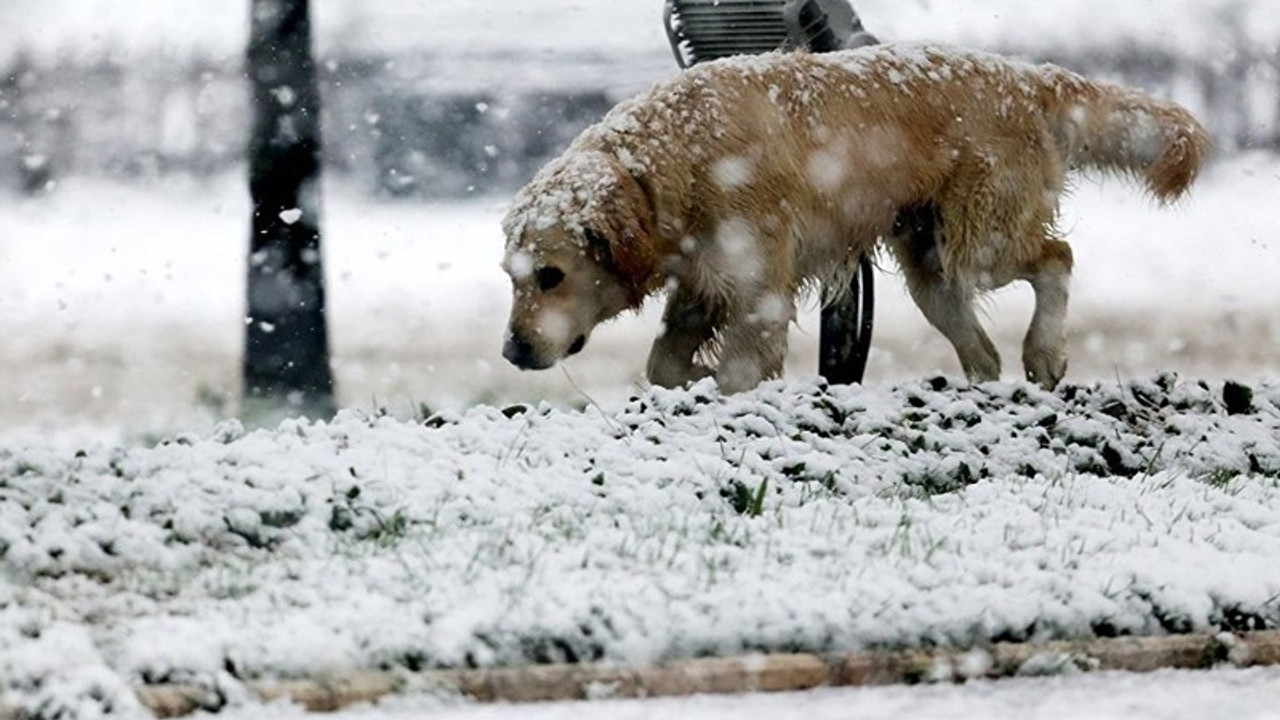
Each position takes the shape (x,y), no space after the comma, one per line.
(674,375)
(737,374)
(1045,367)
(981,367)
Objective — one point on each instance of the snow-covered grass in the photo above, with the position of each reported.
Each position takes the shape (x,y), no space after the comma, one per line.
(794,518)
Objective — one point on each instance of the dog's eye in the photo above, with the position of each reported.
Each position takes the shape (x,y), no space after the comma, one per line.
(549,277)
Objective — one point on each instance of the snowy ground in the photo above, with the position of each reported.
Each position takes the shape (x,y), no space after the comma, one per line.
(796,518)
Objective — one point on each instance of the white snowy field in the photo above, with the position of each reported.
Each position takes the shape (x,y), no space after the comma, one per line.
(121,306)
(794,518)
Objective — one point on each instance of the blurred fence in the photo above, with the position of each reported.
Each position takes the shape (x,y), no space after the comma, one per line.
(391,125)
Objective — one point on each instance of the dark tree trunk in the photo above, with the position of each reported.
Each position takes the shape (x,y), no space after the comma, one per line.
(37,132)
(286,358)
(1275,124)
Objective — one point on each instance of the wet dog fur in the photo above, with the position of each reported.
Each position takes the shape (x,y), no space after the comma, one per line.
(743,182)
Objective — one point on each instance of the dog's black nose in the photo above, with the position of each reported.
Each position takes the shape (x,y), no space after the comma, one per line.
(518,352)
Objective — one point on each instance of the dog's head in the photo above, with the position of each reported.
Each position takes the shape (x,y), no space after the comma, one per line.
(580,250)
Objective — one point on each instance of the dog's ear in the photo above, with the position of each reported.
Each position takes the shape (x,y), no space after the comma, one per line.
(626,237)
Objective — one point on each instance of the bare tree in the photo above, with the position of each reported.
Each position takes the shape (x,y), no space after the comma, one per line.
(286,358)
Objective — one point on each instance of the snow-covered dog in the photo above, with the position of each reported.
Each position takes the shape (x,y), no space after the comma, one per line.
(742,182)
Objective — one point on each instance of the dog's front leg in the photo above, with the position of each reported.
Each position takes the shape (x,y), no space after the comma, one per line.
(753,345)
(688,324)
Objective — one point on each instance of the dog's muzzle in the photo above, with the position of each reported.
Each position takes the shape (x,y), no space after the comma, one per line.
(520,352)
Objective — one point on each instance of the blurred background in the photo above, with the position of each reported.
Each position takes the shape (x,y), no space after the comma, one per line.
(124,218)
(444,100)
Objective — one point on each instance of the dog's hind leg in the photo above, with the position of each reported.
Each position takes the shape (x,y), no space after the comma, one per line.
(949,308)
(688,324)
(946,304)
(1044,354)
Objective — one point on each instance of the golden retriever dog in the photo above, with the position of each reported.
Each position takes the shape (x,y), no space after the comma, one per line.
(742,182)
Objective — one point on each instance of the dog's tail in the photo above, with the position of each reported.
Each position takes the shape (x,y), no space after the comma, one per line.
(1116,129)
